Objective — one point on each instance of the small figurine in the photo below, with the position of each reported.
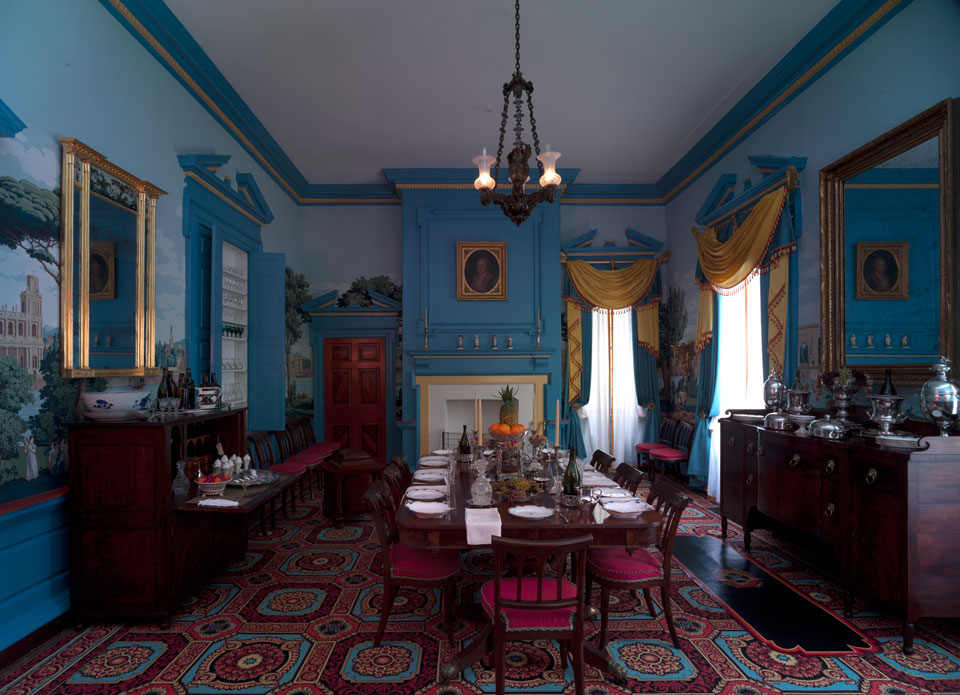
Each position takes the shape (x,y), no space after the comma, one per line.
(246,462)
(887,341)
(853,340)
(904,341)
(476,342)
(509,342)
(494,347)
(869,340)
(459,342)
(109,339)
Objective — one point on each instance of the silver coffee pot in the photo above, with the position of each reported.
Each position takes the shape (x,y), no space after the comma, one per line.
(940,397)
(774,391)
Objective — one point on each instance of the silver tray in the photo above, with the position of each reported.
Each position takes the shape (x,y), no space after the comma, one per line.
(263,478)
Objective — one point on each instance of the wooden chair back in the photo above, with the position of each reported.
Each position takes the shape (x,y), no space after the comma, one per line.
(627,477)
(682,437)
(668,429)
(406,473)
(380,500)
(528,559)
(260,449)
(305,428)
(393,477)
(670,501)
(602,461)
(287,446)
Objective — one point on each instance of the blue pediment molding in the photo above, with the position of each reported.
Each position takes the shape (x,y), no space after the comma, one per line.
(326,305)
(721,204)
(610,254)
(843,29)
(10,125)
(246,198)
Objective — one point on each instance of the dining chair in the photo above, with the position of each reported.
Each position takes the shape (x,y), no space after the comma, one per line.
(627,477)
(602,461)
(401,462)
(629,570)
(664,439)
(289,455)
(260,449)
(537,603)
(403,565)
(674,455)
(304,428)
(393,477)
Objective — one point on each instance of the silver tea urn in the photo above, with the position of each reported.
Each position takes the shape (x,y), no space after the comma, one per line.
(774,391)
(885,411)
(940,398)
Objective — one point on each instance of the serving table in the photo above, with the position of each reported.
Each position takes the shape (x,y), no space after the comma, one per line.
(450,532)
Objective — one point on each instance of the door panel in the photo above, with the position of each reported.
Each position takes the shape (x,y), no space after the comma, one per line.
(354,405)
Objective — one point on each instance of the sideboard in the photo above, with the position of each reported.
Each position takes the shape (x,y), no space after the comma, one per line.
(892,516)
(131,553)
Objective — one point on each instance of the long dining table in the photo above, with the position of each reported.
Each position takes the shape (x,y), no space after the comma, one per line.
(450,532)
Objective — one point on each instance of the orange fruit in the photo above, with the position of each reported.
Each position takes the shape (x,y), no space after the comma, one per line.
(517,430)
(494,428)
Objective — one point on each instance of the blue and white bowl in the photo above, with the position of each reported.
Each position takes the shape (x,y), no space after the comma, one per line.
(114,405)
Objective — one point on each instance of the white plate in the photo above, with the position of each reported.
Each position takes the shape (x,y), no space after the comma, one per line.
(615,492)
(531,512)
(430,476)
(630,508)
(434,463)
(442,452)
(898,441)
(429,510)
(424,495)
(110,415)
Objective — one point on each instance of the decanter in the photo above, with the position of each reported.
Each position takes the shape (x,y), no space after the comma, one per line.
(181,486)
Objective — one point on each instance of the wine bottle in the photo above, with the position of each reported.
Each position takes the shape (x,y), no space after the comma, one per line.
(571,476)
(464,445)
(190,391)
(179,392)
(162,386)
(887,389)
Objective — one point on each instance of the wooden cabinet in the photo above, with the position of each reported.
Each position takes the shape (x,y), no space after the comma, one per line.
(891,516)
(131,555)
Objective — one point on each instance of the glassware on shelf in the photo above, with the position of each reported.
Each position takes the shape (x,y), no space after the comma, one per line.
(181,486)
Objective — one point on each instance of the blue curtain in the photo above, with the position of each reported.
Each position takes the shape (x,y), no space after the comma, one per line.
(645,373)
(699,461)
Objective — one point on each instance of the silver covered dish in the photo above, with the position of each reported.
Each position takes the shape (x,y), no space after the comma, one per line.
(826,428)
(781,422)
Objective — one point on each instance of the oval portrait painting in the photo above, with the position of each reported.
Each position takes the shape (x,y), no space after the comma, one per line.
(880,271)
(482,272)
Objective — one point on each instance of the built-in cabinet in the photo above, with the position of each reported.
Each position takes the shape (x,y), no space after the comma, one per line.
(234,323)
(888,514)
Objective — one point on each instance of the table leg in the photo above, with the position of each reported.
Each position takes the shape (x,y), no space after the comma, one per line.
(469,655)
(602,661)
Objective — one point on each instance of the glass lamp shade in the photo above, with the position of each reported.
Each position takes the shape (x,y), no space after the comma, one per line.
(550,176)
(484,182)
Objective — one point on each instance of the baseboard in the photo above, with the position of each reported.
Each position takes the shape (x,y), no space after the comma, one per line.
(35,639)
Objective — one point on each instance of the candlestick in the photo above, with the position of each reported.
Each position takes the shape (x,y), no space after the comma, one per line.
(426,339)
(537,346)
(556,432)
(480,425)
(476,425)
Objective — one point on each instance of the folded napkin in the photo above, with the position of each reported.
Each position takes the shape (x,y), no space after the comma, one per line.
(217,502)
(482,525)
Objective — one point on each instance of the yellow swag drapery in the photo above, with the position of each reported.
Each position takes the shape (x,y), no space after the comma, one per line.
(614,289)
(648,327)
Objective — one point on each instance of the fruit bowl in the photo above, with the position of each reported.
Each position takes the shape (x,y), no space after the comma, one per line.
(514,438)
(513,489)
(213,484)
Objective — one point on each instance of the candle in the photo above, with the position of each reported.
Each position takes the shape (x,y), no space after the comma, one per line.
(556,432)
(538,319)
(424,321)
(475,426)
(480,425)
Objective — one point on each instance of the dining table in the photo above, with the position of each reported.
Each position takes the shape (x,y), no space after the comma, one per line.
(449,532)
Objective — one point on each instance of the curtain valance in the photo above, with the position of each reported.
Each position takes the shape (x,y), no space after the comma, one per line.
(726,265)
(613,289)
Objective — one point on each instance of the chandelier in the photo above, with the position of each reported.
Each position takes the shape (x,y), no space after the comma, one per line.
(517,205)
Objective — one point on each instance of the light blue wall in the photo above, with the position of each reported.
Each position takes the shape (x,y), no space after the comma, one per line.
(71,70)
(910,64)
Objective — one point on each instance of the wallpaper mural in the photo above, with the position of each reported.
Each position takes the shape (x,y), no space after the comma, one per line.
(35,403)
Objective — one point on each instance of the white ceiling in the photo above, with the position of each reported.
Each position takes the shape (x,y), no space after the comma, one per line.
(623,88)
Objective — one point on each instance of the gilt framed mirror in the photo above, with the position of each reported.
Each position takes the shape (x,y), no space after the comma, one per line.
(888,250)
(107,267)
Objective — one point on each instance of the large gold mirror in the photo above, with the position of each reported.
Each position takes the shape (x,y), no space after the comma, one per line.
(888,229)
(107,267)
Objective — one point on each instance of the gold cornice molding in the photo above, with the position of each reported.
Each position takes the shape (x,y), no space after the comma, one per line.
(85,153)
(613,201)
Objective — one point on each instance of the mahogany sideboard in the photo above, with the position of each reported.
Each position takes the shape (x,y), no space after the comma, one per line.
(131,553)
(892,516)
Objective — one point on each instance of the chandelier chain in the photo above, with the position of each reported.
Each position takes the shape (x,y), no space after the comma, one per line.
(503,132)
(517,34)
(533,131)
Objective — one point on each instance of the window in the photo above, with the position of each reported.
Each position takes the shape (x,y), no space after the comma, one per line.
(739,363)
(35,362)
(20,329)
(33,330)
(610,420)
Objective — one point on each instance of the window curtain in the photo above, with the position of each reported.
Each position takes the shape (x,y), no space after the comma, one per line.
(635,288)
(728,256)
(646,341)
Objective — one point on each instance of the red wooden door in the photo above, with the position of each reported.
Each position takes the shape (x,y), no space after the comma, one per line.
(354,406)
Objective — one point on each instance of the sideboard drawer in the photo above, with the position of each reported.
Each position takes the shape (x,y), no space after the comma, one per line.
(878,472)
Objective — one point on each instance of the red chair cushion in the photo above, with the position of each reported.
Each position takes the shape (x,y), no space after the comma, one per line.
(530,619)
(668,454)
(647,446)
(323,449)
(616,565)
(287,468)
(307,459)
(416,563)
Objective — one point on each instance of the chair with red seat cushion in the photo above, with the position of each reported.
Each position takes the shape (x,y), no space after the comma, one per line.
(627,477)
(665,437)
(407,474)
(676,454)
(406,566)
(290,460)
(619,568)
(261,452)
(602,461)
(307,439)
(536,603)
(393,477)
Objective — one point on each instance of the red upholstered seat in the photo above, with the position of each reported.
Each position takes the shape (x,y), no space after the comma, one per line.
(415,563)
(667,454)
(648,446)
(287,468)
(307,459)
(522,619)
(616,565)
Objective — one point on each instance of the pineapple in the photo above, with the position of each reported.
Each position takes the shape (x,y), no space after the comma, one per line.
(508,411)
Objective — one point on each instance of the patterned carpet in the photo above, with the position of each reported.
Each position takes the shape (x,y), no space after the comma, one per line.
(297,614)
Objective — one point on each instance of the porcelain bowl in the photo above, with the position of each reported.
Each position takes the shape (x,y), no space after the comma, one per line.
(115,405)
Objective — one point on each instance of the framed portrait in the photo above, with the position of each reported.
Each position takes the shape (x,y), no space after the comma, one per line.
(808,349)
(882,270)
(482,270)
(103,277)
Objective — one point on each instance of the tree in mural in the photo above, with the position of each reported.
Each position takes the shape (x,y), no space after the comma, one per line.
(297,292)
(673,324)
(30,220)
(60,398)
(359,291)
(15,382)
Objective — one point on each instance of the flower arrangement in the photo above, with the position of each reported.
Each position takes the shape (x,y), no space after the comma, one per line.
(845,379)
(517,488)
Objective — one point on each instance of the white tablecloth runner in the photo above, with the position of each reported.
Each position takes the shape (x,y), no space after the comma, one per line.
(482,524)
